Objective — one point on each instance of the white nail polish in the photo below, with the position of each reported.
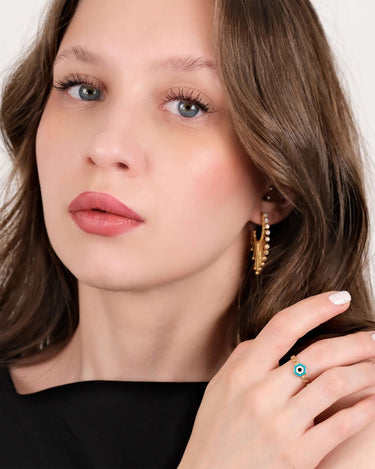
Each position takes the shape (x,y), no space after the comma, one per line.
(373,338)
(340,298)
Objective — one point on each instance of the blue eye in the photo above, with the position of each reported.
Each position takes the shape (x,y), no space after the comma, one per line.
(80,88)
(184,108)
(85,92)
(188,104)
(187,109)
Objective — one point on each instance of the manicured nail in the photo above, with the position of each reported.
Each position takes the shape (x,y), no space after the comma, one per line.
(373,338)
(340,298)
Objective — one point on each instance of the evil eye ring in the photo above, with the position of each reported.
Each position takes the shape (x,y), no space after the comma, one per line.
(299,369)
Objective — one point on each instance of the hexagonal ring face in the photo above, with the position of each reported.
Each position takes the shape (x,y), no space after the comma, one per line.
(299,369)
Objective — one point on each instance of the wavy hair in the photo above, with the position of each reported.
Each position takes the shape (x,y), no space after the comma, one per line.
(295,123)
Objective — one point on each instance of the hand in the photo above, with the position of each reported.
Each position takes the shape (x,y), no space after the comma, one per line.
(257,414)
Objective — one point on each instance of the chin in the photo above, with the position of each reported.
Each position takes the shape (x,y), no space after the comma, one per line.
(120,281)
(105,278)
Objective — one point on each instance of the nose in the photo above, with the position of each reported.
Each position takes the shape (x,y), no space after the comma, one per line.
(114,141)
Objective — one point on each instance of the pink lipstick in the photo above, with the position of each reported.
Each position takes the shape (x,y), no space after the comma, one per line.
(102,214)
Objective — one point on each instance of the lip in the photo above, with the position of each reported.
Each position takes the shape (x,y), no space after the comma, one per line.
(102,214)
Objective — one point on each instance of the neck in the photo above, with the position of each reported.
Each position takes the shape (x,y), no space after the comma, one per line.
(120,336)
(180,331)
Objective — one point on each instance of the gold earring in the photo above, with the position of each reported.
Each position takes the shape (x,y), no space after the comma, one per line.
(261,247)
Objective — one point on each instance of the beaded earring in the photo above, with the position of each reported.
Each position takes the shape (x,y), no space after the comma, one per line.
(260,248)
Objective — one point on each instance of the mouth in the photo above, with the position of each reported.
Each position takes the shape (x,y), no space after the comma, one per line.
(104,203)
(101,214)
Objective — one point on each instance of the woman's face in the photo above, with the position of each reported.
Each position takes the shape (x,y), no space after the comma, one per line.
(145,120)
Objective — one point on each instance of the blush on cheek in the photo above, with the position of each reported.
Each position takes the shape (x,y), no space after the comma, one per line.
(220,180)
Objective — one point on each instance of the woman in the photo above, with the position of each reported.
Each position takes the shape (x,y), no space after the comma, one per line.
(224,130)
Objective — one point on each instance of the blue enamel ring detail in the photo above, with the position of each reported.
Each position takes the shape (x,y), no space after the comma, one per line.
(299,369)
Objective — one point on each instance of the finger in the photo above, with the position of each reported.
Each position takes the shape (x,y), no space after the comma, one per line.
(286,327)
(325,391)
(322,355)
(316,443)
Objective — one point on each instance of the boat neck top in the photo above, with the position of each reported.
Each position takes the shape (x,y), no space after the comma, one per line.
(97,424)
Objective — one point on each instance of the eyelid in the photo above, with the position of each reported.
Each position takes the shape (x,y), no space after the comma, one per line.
(75,79)
(189,95)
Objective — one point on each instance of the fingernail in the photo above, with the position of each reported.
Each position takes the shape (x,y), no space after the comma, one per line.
(373,338)
(340,298)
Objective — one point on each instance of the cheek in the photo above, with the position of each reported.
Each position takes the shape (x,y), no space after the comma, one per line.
(55,170)
(218,180)
(223,183)
(49,139)
(55,142)
(45,142)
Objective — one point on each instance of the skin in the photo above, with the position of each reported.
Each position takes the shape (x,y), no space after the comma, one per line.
(253,415)
(154,302)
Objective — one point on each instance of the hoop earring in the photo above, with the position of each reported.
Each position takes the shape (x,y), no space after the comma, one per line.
(261,247)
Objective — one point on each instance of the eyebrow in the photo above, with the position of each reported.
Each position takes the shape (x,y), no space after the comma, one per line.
(173,63)
(79,54)
(185,63)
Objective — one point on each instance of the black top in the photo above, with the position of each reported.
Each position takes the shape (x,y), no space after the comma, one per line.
(97,424)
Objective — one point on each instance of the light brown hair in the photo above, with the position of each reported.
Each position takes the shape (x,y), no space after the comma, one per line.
(293,120)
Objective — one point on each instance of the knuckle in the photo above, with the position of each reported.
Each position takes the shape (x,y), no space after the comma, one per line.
(368,371)
(287,458)
(234,378)
(282,325)
(278,322)
(321,351)
(344,425)
(366,345)
(368,408)
(242,347)
(234,363)
(335,383)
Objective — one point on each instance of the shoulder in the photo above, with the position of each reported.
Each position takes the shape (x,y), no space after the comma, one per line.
(29,376)
(357,451)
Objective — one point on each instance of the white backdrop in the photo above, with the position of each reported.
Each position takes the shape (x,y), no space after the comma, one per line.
(348,23)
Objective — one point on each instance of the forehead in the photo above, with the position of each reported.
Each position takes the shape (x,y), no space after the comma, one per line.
(142,28)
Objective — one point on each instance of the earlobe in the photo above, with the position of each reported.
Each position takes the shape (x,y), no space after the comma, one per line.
(275,205)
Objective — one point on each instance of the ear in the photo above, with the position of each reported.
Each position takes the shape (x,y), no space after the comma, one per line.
(275,205)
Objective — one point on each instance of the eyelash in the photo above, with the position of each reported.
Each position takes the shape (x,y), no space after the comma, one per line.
(74,80)
(190,96)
